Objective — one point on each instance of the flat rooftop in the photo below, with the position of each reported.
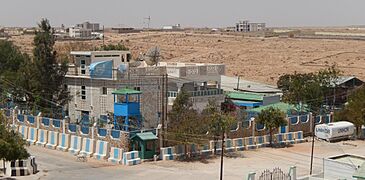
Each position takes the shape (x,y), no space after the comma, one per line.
(179,64)
(89,53)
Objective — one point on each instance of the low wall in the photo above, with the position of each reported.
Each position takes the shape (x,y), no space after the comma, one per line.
(115,138)
(295,123)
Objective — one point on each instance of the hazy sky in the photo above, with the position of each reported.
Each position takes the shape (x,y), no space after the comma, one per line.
(197,13)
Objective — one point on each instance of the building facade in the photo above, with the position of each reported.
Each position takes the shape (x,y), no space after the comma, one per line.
(201,81)
(95,75)
(76,32)
(246,26)
(94,27)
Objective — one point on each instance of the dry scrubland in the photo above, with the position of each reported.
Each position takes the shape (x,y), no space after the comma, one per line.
(258,59)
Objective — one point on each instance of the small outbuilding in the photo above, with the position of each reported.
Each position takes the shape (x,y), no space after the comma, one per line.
(145,144)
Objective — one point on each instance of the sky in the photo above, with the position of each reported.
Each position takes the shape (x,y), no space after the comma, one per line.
(188,13)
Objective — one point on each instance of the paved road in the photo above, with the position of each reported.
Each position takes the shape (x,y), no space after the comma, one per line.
(60,165)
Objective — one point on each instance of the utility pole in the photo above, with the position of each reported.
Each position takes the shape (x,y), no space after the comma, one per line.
(166,100)
(313,126)
(162,115)
(103,35)
(222,152)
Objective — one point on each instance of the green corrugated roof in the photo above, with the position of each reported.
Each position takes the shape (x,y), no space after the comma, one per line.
(145,136)
(125,91)
(282,106)
(245,96)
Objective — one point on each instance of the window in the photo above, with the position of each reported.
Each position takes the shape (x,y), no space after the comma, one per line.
(83,66)
(122,58)
(83,92)
(137,88)
(129,57)
(104,91)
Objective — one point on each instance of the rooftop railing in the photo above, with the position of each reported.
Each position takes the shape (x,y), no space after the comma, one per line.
(210,92)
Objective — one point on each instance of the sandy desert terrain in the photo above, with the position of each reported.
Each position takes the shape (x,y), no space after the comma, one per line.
(257,59)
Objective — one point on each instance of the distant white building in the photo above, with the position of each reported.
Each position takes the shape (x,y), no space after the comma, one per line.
(171,28)
(76,32)
(246,26)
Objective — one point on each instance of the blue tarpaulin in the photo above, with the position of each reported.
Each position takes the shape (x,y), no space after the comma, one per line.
(102,69)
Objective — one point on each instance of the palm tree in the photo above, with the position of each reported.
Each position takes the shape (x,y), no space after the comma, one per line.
(271,118)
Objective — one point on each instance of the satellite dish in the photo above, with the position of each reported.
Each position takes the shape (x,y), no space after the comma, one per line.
(152,56)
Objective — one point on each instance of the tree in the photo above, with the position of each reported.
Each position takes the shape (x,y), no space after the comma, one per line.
(49,71)
(355,109)
(219,122)
(11,144)
(185,126)
(11,60)
(310,89)
(272,119)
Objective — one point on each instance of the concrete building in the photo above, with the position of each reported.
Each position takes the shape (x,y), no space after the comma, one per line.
(171,28)
(94,27)
(95,75)
(246,26)
(201,81)
(76,32)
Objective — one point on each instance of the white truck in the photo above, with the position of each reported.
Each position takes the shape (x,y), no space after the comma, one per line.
(335,131)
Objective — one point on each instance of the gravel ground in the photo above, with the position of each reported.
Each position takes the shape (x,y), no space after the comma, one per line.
(60,165)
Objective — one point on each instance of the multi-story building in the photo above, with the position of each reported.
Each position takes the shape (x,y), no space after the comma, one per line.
(201,81)
(76,32)
(95,75)
(253,27)
(246,26)
(94,27)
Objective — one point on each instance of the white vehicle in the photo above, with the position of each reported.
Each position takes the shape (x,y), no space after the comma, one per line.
(335,131)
